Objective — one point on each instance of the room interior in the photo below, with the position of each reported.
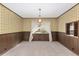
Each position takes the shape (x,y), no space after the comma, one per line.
(26,22)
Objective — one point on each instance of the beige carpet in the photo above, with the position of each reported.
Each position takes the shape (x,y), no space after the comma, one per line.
(39,48)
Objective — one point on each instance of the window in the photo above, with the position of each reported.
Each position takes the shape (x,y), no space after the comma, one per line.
(72,28)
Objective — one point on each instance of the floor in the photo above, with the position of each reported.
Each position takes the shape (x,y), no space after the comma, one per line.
(39,48)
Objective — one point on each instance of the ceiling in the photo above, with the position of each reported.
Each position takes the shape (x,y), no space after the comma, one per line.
(31,10)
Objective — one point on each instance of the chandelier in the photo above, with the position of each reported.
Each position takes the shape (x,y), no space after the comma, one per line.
(39,19)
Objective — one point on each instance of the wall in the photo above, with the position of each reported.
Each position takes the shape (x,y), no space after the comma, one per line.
(54,25)
(27,25)
(0,18)
(9,21)
(28,22)
(71,42)
(70,16)
(45,26)
(10,29)
(27,28)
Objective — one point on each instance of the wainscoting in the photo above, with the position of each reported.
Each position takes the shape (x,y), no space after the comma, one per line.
(70,42)
(27,34)
(40,37)
(54,36)
(9,40)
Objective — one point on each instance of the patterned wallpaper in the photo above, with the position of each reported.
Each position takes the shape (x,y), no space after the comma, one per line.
(78,12)
(70,16)
(9,21)
(54,25)
(0,18)
(28,22)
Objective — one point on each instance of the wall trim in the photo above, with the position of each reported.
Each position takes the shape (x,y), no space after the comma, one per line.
(10,33)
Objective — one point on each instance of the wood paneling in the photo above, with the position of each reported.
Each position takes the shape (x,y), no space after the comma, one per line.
(54,36)
(9,40)
(40,37)
(71,42)
(26,36)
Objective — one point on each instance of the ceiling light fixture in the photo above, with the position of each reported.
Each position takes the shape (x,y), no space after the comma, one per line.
(39,16)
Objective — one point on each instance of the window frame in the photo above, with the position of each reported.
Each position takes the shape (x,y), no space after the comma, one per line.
(75,26)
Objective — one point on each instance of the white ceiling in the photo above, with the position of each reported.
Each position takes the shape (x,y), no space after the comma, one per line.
(31,10)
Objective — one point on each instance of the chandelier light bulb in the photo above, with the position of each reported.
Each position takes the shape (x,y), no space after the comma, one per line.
(40,20)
